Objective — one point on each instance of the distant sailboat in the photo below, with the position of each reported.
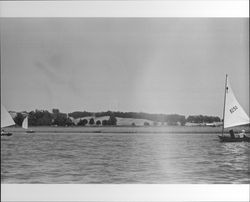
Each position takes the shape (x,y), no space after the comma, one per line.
(6,120)
(25,125)
(233,115)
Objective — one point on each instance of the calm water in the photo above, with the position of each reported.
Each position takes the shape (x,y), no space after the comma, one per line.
(122,158)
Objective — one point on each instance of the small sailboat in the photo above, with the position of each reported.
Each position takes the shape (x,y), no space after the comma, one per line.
(6,120)
(25,125)
(233,115)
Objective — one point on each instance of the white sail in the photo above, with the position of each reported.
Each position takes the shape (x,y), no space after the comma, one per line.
(25,123)
(234,113)
(6,119)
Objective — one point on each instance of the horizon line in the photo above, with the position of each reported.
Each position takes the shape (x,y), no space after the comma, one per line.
(112,111)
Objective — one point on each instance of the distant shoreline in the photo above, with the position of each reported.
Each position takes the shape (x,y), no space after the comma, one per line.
(128,130)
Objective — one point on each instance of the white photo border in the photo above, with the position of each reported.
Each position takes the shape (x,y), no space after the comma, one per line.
(126,8)
(125,192)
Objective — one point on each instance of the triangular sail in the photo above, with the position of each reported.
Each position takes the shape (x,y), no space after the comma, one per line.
(234,113)
(25,123)
(6,119)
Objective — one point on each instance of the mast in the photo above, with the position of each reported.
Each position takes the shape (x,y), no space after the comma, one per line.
(224,105)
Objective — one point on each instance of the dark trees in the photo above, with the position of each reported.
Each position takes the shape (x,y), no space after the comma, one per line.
(112,120)
(19,119)
(55,111)
(82,122)
(61,120)
(79,114)
(91,121)
(40,118)
(105,122)
(203,119)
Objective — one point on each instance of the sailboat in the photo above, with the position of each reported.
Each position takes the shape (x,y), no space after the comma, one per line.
(233,115)
(6,120)
(25,125)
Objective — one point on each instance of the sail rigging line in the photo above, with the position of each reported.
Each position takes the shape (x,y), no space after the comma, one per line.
(224,106)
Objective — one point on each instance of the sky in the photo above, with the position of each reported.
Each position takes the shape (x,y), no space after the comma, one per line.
(153,65)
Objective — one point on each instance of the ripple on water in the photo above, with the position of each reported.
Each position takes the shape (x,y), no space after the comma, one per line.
(123,158)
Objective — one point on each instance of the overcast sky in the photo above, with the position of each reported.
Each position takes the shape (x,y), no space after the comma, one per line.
(145,65)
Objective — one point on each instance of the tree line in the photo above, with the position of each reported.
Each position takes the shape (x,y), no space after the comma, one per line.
(171,119)
(46,118)
(203,119)
(56,118)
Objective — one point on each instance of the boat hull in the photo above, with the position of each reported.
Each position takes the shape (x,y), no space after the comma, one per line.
(236,139)
(30,131)
(6,134)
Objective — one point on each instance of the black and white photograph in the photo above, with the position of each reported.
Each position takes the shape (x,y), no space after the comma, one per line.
(124,101)
(157,100)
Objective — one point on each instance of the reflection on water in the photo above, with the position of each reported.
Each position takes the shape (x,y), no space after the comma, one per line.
(122,158)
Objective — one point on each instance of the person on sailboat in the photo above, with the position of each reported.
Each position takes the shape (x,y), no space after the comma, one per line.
(242,134)
(231,132)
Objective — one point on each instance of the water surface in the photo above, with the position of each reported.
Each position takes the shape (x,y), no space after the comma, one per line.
(122,158)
